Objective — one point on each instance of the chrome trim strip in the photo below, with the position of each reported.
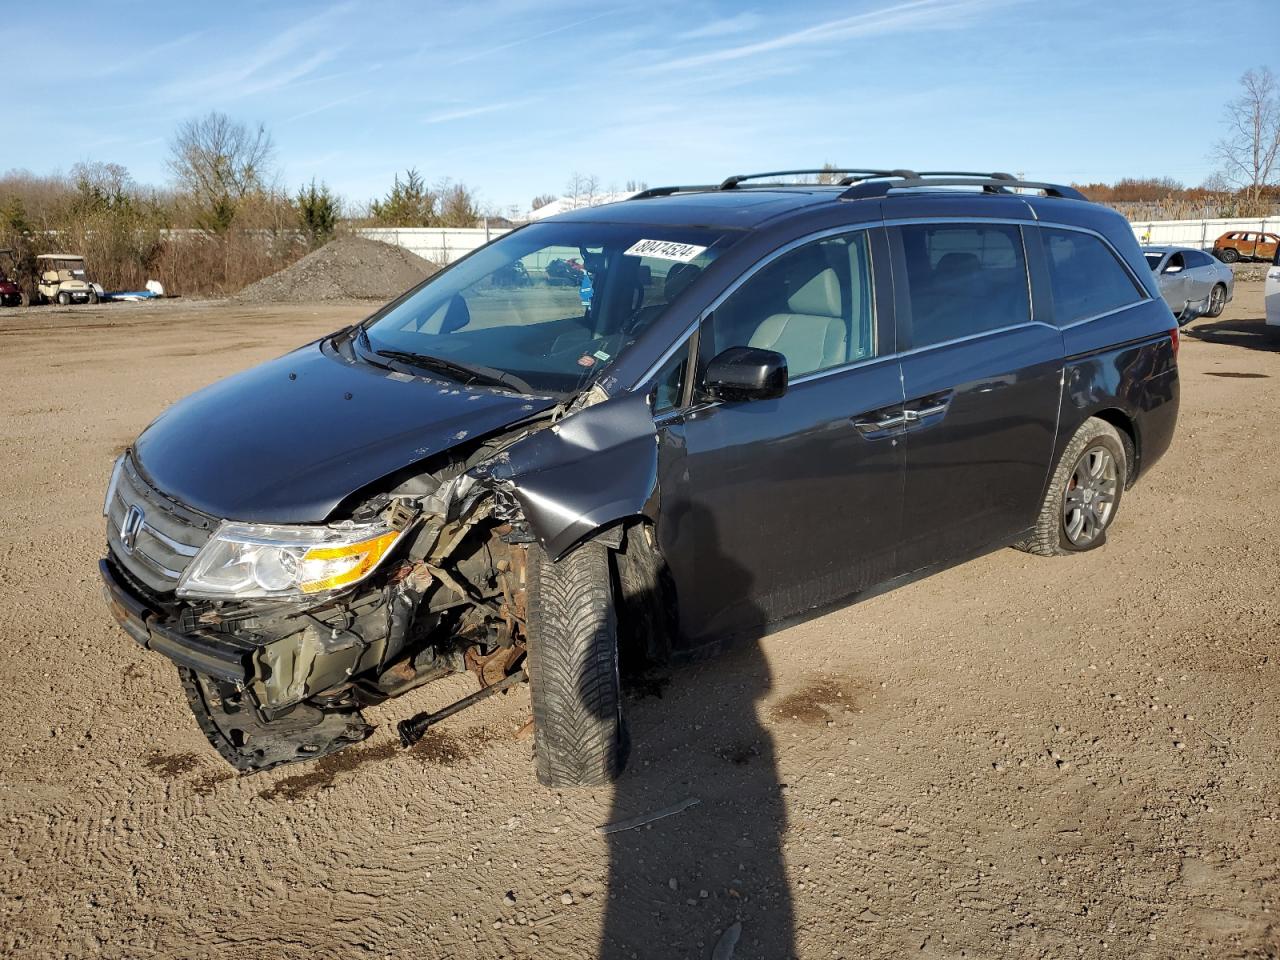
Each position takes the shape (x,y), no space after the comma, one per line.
(1100,316)
(851,365)
(978,336)
(157,565)
(682,339)
(184,549)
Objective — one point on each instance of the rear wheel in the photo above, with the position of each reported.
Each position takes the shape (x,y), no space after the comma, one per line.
(1229,254)
(1217,300)
(1084,493)
(580,738)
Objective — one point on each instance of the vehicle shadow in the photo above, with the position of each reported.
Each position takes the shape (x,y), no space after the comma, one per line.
(1250,334)
(713,871)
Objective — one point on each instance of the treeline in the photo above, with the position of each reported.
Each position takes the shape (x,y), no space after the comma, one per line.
(224,222)
(1163,198)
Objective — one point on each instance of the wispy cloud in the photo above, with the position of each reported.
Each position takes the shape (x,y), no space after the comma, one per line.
(724,27)
(322,107)
(916,15)
(463,113)
(283,60)
(489,51)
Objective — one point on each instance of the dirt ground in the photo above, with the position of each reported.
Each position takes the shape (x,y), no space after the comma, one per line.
(1015,758)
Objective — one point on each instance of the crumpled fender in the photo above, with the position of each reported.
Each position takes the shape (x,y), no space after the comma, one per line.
(594,467)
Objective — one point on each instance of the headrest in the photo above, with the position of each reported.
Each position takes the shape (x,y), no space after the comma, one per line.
(819,297)
(957,264)
(678,278)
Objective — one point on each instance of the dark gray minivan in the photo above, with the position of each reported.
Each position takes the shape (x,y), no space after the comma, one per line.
(635,430)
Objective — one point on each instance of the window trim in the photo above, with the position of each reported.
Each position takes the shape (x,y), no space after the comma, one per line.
(1144,294)
(902,292)
(863,226)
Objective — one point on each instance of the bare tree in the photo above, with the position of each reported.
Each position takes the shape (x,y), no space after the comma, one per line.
(1249,151)
(541,200)
(829,173)
(220,162)
(581,189)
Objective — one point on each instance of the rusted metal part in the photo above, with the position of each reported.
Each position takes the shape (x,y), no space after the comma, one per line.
(412,730)
(490,668)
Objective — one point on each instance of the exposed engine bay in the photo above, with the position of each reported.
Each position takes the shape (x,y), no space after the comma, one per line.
(451,596)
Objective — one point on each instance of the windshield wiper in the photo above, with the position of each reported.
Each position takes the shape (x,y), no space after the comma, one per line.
(459,371)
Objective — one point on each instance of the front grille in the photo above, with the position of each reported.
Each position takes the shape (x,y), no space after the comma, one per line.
(167,536)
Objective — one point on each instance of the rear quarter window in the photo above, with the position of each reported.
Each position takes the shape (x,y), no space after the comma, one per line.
(964,279)
(1085,276)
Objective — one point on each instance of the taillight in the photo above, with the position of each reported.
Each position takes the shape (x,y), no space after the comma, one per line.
(1173,335)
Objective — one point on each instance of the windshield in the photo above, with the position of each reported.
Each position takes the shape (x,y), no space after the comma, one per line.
(550,305)
(1153,260)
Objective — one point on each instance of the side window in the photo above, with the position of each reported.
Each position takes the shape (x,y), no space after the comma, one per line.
(964,278)
(668,385)
(813,305)
(1194,258)
(1086,278)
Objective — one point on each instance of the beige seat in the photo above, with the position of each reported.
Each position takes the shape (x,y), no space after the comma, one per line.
(813,335)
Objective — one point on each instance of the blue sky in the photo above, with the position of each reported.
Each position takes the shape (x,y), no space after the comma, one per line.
(512,95)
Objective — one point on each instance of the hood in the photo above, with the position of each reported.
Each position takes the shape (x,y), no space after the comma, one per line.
(287,441)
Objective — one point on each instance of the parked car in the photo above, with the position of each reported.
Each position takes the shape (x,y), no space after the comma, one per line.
(1191,282)
(1272,293)
(1246,245)
(778,397)
(62,279)
(11,295)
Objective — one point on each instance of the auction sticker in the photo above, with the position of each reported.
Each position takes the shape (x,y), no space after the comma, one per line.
(664,250)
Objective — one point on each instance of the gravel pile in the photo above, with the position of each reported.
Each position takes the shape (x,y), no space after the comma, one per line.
(348,268)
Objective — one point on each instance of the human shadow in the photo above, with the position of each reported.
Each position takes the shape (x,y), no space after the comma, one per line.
(678,885)
(1250,334)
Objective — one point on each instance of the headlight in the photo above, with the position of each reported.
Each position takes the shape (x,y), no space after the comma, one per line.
(115,482)
(245,560)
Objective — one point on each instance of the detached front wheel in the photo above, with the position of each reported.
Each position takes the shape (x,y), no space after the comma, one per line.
(580,737)
(1084,493)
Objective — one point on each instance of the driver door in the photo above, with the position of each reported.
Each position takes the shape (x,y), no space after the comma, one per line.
(794,502)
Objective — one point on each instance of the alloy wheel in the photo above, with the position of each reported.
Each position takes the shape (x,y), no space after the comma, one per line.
(1217,300)
(1091,496)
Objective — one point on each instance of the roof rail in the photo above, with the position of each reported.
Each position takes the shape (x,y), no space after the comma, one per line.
(730,183)
(668,191)
(990,183)
(878,183)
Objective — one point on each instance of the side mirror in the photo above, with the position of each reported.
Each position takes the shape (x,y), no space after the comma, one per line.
(746,373)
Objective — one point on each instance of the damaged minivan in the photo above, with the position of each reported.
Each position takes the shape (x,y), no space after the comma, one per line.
(766,398)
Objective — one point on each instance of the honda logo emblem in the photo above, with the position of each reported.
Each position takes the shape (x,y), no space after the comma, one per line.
(129,529)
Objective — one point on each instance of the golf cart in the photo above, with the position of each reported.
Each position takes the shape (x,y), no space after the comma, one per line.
(62,279)
(11,294)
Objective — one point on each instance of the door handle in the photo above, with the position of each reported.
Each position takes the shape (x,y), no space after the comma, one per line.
(880,422)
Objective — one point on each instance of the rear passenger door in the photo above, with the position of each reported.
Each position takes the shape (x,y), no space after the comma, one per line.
(982,380)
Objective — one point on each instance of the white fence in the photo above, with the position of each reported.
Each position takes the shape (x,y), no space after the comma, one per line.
(440,245)
(446,244)
(1197,233)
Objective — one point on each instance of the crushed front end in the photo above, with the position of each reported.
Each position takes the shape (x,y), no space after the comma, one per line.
(282,676)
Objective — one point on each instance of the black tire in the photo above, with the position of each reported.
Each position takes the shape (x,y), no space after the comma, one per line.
(64,298)
(1229,255)
(580,737)
(1217,300)
(1050,537)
